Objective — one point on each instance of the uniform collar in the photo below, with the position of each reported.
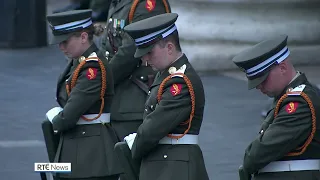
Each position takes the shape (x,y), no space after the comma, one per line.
(165,73)
(86,54)
(299,79)
(92,48)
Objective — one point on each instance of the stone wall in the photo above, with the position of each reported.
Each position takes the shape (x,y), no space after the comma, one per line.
(213,31)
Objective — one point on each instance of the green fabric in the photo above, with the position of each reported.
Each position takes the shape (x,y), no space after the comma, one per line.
(85,144)
(286,132)
(257,81)
(143,51)
(164,117)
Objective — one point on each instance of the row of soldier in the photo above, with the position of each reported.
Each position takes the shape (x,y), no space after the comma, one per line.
(133,108)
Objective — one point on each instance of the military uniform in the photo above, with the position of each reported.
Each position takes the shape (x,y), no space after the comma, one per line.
(288,143)
(131,78)
(167,140)
(84,93)
(269,104)
(99,8)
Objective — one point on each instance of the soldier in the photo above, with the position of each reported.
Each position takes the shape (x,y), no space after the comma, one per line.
(288,143)
(132,78)
(84,93)
(167,140)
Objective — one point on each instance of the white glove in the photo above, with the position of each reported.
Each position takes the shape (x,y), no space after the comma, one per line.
(130,139)
(53,112)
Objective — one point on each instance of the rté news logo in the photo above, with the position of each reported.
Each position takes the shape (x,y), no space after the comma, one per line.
(52,167)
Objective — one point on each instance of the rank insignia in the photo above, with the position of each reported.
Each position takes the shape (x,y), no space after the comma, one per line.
(150,4)
(175,89)
(91,73)
(291,107)
(296,91)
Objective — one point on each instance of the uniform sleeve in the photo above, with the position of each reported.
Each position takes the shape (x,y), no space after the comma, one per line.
(123,62)
(289,130)
(167,115)
(85,93)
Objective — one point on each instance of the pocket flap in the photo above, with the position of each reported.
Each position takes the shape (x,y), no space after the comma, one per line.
(81,131)
(169,153)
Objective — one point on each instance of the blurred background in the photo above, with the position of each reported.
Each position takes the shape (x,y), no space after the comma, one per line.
(211,32)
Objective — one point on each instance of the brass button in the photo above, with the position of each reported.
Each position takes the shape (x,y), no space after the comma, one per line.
(83,133)
(165,156)
(82,58)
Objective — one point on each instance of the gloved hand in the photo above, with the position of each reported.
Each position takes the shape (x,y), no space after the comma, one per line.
(243,174)
(53,112)
(130,139)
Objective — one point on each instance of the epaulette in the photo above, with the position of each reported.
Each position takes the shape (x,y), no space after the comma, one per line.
(173,70)
(92,57)
(296,91)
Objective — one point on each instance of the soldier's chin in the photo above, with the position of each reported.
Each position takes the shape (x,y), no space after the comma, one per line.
(67,56)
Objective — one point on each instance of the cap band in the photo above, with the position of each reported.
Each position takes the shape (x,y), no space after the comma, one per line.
(68,27)
(155,36)
(279,57)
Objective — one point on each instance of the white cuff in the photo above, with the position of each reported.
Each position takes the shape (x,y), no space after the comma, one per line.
(130,139)
(53,112)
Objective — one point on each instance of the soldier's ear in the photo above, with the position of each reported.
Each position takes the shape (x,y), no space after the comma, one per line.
(170,47)
(283,67)
(84,37)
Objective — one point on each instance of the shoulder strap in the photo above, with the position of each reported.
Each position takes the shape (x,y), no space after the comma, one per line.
(135,4)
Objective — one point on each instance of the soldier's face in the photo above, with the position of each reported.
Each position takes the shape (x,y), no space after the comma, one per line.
(157,58)
(72,47)
(274,83)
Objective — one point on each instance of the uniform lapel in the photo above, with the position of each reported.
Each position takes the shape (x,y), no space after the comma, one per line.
(62,76)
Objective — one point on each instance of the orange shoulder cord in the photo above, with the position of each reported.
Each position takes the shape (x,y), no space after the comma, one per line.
(303,148)
(134,6)
(103,82)
(193,103)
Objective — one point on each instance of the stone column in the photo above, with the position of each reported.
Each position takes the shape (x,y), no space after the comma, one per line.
(213,31)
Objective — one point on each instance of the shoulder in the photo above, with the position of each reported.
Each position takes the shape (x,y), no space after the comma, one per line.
(184,77)
(148,8)
(305,90)
(303,96)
